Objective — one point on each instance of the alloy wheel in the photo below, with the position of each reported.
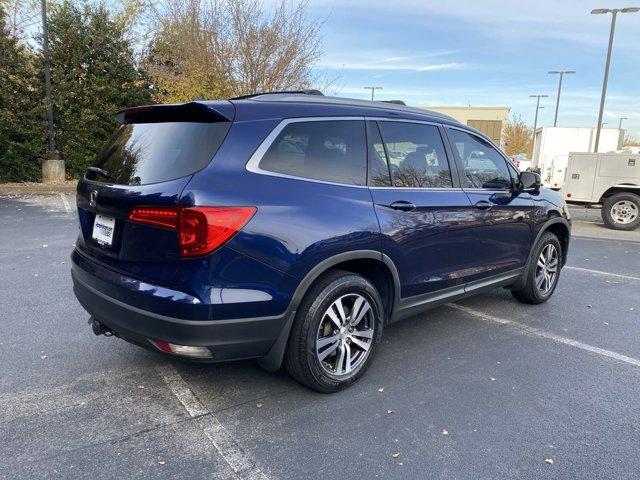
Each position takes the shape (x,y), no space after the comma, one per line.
(547,269)
(345,335)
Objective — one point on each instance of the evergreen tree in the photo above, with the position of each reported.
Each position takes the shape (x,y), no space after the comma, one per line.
(22,120)
(93,75)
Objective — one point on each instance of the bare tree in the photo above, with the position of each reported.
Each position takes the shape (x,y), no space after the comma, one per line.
(631,141)
(222,48)
(21,15)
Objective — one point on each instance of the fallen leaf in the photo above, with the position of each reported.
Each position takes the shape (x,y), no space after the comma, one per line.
(45,245)
(492,379)
(140,387)
(589,306)
(605,323)
(549,461)
(391,412)
(445,432)
(258,405)
(381,390)
(396,455)
(43,356)
(161,462)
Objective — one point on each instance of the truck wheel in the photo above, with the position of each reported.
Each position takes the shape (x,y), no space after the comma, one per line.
(622,211)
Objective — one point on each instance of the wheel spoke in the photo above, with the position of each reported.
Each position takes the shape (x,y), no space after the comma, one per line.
(324,341)
(325,353)
(541,262)
(364,307)
(340,360)
(368,333)
(363,345)
(340,308)
(334,318)
(540,280)
(347,358)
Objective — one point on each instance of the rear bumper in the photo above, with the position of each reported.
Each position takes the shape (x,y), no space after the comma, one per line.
(136,312)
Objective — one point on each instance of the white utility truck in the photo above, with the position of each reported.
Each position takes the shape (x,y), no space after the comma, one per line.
(551,147)
(609,179)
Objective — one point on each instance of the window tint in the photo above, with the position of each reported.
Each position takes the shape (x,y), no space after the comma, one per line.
(143,153)
(483,165)
(333,151)
(378,168)
(416,155)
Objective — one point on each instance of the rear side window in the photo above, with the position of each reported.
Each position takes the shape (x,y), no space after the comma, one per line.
(417,157)
(332,151)
(139,154)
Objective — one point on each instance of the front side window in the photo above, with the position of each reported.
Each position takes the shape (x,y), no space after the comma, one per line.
(483,165)
(331,151)
(417,157)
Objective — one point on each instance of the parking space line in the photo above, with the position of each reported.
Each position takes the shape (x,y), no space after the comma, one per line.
(221,439)
(600,272)
(548,335)
(66,205)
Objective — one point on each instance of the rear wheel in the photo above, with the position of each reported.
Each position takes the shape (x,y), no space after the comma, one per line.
(336,332)
(541,277)
(622,211)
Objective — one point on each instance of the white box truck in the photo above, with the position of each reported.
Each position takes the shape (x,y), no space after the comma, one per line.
(552,145)
(609,179)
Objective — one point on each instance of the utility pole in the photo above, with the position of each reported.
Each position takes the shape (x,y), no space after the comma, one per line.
(620,123)
(614,13)
(562,73)
(52,167)
(373,89)
(535,122)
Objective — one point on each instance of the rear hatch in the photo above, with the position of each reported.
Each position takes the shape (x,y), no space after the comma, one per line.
(147,163)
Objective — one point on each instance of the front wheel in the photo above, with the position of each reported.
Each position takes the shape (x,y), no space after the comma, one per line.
(541,277)
(622,211)
(335,333)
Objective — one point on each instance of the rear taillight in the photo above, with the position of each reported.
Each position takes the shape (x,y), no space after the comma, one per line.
(200,229)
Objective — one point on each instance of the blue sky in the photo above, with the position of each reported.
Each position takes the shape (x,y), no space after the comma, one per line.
(484,53)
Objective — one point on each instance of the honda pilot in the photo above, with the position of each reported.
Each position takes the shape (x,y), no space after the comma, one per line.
(294,228)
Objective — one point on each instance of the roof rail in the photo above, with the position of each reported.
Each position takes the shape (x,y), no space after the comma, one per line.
(395,102)
(282,92)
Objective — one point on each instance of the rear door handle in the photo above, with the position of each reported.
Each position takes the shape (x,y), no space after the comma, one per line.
(403,206)
(483,205)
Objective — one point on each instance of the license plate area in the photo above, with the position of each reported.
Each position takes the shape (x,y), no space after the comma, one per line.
(104,229)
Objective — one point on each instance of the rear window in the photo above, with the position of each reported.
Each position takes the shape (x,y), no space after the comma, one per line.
(332,151)
(143,153)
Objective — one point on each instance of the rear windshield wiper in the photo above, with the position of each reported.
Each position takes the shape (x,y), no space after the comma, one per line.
(101,171)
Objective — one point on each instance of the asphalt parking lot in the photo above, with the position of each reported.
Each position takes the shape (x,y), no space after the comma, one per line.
(487,388)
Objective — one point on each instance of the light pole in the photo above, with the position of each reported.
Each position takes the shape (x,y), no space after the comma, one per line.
(52,167)
(562,73)
(614,13)
(373,89)
(535,122)
(620,122)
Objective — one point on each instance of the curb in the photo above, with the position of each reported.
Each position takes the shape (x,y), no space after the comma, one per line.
(37,188)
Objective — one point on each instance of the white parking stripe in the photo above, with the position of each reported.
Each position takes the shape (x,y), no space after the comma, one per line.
(221,439)
(600,272)
(548,335)
(65,203)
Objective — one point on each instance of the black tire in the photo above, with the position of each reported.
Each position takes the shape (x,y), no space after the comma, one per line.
(301,360)
(531,293)
(613,200)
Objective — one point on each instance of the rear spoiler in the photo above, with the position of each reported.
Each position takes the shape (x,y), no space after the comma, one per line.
(219,111)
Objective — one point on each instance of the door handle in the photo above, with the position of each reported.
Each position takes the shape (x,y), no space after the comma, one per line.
(483,205)
(403,206)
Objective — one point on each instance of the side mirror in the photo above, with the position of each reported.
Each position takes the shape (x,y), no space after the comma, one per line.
(529,182)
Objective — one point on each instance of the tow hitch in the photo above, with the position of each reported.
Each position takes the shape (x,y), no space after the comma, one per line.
(100,329)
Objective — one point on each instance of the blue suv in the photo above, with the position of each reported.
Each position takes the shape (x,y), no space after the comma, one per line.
(293,228)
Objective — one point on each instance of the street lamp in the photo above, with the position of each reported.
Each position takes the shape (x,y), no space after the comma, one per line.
(614,13)
(620,123)
(535,122)
(373,89)
(562,74)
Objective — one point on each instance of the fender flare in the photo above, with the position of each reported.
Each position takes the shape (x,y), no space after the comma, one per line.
(272,361)
(544,228)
